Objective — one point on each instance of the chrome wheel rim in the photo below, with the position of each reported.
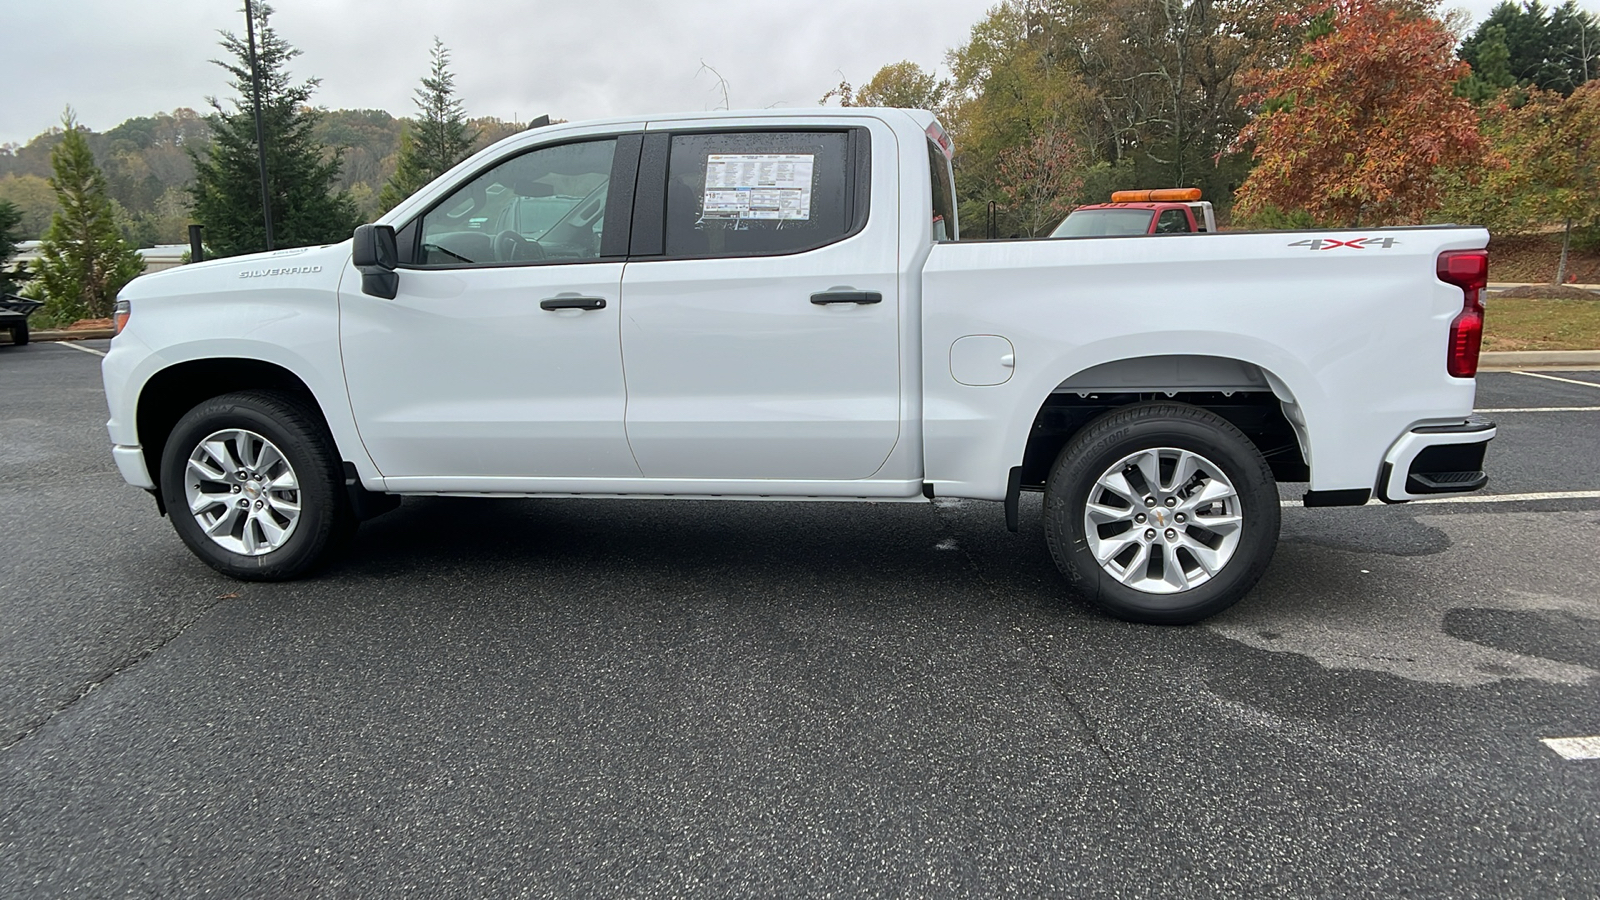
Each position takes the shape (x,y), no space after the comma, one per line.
(1163,520)
(242,492)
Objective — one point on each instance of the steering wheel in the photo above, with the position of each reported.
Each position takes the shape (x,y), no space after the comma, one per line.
(512,247)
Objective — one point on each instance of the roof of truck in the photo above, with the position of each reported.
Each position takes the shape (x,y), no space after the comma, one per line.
(1146,205)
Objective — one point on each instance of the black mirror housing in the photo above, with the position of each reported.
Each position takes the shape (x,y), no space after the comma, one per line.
(375,246)
(376,254)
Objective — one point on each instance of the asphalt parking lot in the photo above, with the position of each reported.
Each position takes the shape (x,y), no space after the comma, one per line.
(672,698)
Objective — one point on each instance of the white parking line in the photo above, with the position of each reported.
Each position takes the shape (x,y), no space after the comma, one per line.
(1595,385)
(1487,498)
(1574,747)
(78,347)
(1542,409)
(1515,498)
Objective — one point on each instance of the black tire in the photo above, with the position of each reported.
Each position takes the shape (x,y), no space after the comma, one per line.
(19,334)
(1148,426)
(326,521)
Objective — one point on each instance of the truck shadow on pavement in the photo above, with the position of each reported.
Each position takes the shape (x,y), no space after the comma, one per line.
(1374,590)
(1388,531)
(660,544)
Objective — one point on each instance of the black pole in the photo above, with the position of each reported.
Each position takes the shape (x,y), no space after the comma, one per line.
(197,247)
(255,101)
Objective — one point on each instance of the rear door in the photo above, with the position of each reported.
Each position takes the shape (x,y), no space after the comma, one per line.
(760,334)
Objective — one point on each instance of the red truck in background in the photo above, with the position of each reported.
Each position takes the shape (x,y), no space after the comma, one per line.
(1165,211)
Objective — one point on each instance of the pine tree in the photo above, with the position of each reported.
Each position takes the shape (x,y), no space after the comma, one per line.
(438,139)
(300,171)
(1551,48)
(1491,67)
(11,277)
(83,259)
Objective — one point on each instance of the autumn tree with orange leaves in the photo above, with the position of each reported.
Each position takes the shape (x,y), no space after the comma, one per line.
(1353,130)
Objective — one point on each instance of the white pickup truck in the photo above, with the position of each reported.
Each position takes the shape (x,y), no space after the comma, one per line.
(775,305)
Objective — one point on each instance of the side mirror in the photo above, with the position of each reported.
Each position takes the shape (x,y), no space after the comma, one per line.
(376,254)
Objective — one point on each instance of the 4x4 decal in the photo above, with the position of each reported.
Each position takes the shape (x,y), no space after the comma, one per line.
(1354,243)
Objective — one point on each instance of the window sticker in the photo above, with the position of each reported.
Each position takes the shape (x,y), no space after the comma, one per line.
(760,186)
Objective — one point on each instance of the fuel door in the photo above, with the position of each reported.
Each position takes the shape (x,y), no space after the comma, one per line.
(982,360)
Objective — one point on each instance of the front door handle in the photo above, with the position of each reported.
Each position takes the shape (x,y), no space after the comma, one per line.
(573,303)
(862,297)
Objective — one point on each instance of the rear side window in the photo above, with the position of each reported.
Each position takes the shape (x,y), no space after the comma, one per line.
(1173,221)
(757,193)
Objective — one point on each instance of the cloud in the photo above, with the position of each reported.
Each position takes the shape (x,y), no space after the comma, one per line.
(111,59)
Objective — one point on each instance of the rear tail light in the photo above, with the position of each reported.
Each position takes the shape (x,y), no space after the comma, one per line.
(120,316)
(1468,270)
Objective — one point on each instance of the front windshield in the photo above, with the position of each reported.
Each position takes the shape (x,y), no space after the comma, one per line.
(536,215)
(1104,222)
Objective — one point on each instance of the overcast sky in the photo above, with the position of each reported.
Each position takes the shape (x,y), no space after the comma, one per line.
(515,59)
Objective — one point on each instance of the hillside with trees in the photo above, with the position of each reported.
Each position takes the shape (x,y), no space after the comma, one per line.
(1335,112)
(149,173)
(149,162)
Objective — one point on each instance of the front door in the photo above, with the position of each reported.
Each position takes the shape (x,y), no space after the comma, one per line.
(499,358)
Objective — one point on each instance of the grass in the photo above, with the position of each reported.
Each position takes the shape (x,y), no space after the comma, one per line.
(1542,324)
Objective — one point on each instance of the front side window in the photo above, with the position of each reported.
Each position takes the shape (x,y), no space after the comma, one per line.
(757,193)
(544,205)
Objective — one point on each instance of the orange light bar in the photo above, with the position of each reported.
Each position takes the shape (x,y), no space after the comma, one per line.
(1163,195)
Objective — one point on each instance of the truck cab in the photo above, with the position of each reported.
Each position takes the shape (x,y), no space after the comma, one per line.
(1169,211)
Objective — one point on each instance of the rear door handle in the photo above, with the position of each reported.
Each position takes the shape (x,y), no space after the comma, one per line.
(862,297)
(573,303)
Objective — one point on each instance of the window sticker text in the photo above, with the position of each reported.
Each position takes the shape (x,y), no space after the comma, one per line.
(760,186)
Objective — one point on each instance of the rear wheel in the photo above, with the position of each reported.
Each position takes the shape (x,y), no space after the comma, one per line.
(19,334)
(253,486)
(1162,513)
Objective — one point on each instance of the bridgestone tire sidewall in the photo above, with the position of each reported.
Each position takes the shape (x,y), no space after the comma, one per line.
(1123,432)
(300,436)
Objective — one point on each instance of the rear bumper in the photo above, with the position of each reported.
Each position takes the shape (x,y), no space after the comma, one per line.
(1436,459)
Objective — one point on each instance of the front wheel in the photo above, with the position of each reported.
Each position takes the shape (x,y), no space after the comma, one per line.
(1162,513)
(253,486)
(19,334)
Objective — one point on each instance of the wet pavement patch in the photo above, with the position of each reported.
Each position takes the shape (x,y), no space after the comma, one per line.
(1546,634)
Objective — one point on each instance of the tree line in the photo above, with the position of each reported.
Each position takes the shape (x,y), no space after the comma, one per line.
(326,173)
(1285,114)
(1332,113)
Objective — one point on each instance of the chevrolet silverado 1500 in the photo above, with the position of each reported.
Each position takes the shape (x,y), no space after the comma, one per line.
(775,305)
